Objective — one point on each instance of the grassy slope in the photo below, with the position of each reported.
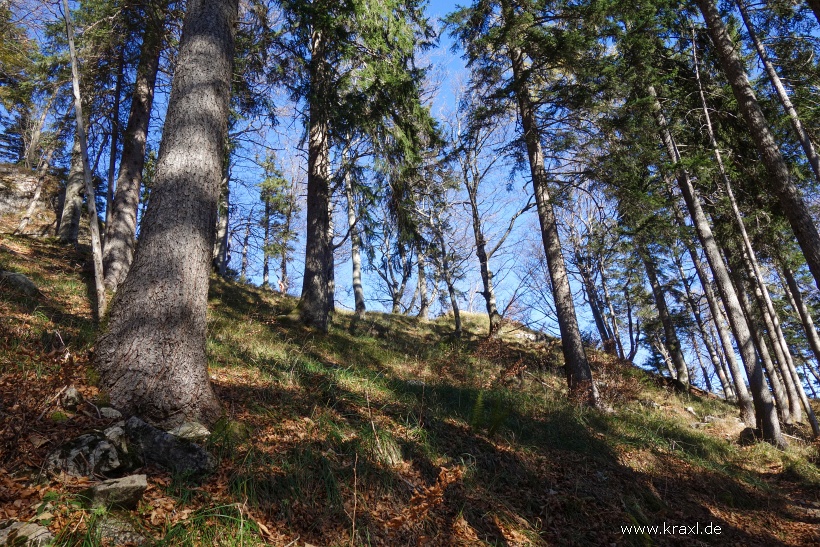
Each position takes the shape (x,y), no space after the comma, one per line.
(396,431)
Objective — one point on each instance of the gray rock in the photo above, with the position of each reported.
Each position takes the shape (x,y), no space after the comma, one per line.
(166,450)
(710,419)
(116,435)
(109,413)
(691,411)
(115,530)
(18,282)
(89,455)
(125,492)
(193,431)
(71,398)
(24,534)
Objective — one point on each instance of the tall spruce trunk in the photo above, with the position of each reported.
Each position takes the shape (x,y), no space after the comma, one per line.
(670,341)
(265,246)
(579,375)
(121,231)
(68,228)
(316,296)
(152,358)
(780,181)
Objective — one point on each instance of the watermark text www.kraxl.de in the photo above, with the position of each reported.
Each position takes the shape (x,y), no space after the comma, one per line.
(673,529)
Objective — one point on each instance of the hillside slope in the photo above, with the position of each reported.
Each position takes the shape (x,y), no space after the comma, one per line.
(388,432)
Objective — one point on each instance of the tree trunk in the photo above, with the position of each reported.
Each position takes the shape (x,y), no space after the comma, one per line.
(42,171)
(694,309)
(34,146)
(220,253)
(579,375)
(121,231)
(265,246)
(484,262)
(782,94)
(68,229)
(115,135)
(758,339)
(781,184)
(796,299)
(152,358)
(355,247)
(316,298)
(703,370)
(243,272)
(762,399)
(91,204)
(424,301)
(670,336)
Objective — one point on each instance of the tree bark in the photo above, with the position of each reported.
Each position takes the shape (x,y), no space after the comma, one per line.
(265,244)
(220,252)
(316,299)
(121,231)
(780,181)
(243,272)
(152,358)
(91,204)
(579,375)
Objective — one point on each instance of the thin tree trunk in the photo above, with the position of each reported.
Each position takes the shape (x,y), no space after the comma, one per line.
(152,358)
(579,375)
(483,261)
(694,309)
(68,229)
(42,171)
(703,370)
(722,371)
(220,254)
(612,317)
(355,247)
(94,225)
(115,134)
(265,247)
(316,299)
(782,94)
(243,273)
(796,299)
(121,230)
(670,336)
(780,181)
(762,398)
(778,390)
(424,302)
(34,145)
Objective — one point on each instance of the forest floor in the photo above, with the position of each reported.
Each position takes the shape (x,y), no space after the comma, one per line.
(390,432)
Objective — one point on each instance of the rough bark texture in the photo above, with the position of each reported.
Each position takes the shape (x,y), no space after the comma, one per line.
(796,300)
(122,228)
(424,300)
(316,296)
(68,229)
(780,181)
(579,375)
(152,358)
